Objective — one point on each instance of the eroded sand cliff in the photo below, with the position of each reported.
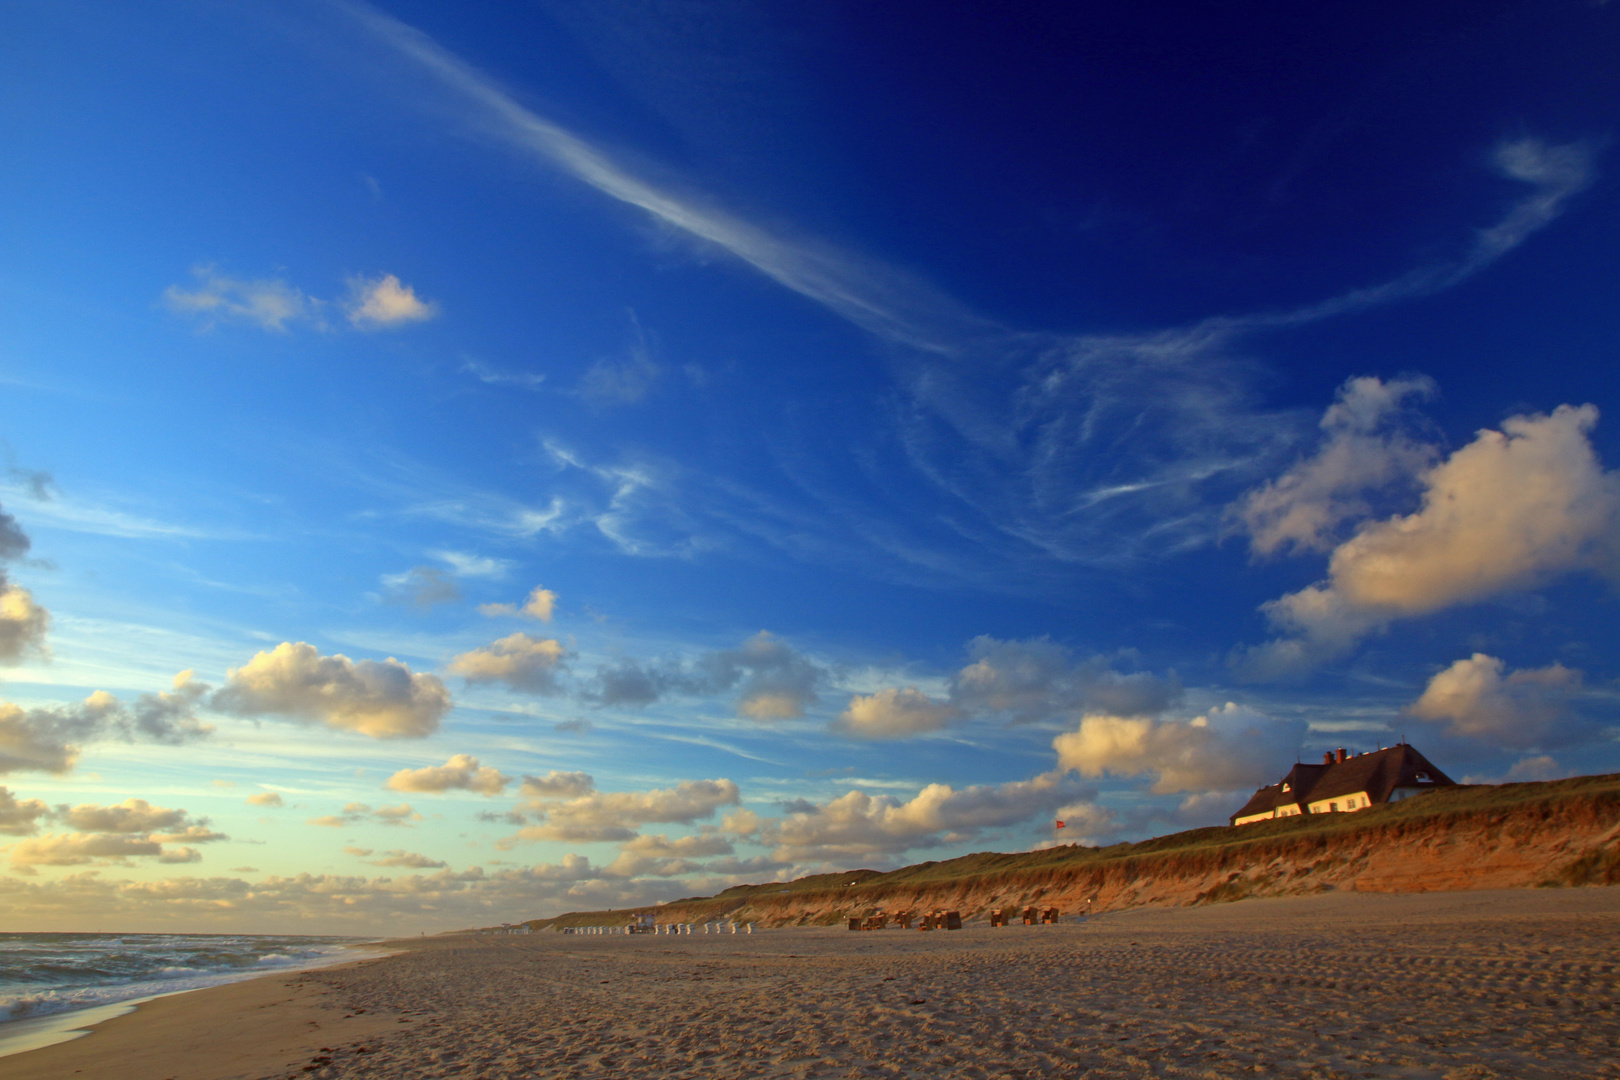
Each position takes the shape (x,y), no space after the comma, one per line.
(1562,833)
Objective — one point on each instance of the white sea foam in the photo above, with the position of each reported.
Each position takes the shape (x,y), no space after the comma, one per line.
(45,974)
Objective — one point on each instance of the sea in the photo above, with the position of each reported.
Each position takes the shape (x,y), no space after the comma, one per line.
(52,984)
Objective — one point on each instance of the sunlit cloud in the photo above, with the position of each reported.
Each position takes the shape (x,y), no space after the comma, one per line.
(383,302)
(373,303)
(19,817)
(23,623)
(442,899)
(614,815)
(409,860)
(893,714)
(1368,446)
(1512,510)
(111,834)
(540,604)
(1477,698)
(51,738)
(462,772)
(356,813)
(858,825)
(519,661)
(1231,748)
(293,681)
(270,304)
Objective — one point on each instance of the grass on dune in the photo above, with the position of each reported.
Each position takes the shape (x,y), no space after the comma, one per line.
(1433,809)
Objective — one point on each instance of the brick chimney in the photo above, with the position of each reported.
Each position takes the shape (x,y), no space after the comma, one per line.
(1327,758)
(1344,755)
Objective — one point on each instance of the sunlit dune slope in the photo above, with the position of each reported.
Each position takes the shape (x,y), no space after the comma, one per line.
(1562,833)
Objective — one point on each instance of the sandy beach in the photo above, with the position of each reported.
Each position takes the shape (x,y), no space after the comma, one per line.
(1454,986)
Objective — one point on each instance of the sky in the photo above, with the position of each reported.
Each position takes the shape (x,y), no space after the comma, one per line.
(466,465)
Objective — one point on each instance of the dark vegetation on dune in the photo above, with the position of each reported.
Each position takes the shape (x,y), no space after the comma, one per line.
(1559,833)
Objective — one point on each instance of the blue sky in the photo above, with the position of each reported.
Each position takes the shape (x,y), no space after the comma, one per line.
(591,454)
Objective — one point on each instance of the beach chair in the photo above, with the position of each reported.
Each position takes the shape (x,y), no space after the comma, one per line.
(902,919)
(854,922)
(998,917)
(1050,916)
(1029,916)
(952,920)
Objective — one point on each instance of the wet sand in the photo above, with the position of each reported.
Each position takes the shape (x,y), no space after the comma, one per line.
(1456,986)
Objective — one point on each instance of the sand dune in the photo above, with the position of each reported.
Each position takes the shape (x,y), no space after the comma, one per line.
(1458,986)
(1509,836)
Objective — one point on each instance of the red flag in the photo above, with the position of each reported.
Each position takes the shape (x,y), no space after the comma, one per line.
(1060,825)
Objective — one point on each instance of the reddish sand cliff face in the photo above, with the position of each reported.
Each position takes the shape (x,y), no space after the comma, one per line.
(1517,835)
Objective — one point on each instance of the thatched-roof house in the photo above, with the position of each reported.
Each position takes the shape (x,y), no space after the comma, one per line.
(1345,782)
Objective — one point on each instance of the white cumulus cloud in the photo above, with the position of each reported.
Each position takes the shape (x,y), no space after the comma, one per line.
(1368,445)
(19,817)
(380,698)
(518,660)
(1038,678)
(23,622)
(1476,698)
(461,772)
(857,825)
(614,815)
(1227,749)
(382,302)
(558,785)
(540,604)
(1511,510)
(893,714)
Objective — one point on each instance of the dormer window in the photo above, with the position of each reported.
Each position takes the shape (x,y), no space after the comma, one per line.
(1287,788)
(1423,778)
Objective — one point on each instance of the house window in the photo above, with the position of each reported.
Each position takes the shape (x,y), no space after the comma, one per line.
(1423,778)
(1333,808)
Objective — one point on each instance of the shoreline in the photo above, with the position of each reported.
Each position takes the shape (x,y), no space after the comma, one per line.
(1516,984)
(32,1033)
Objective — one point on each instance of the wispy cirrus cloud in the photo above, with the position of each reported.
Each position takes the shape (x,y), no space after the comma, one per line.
(1087,449)
(493,376)
(875,297)
(104,519)
(213,298)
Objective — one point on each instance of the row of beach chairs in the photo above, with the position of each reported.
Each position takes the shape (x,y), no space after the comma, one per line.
(662,928)
(952,920)
(930,920)
(1031,916)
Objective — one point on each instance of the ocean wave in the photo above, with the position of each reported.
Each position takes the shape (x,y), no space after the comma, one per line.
(43,974)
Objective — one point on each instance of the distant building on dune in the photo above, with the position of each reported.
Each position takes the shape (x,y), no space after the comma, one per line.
(1345,782)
